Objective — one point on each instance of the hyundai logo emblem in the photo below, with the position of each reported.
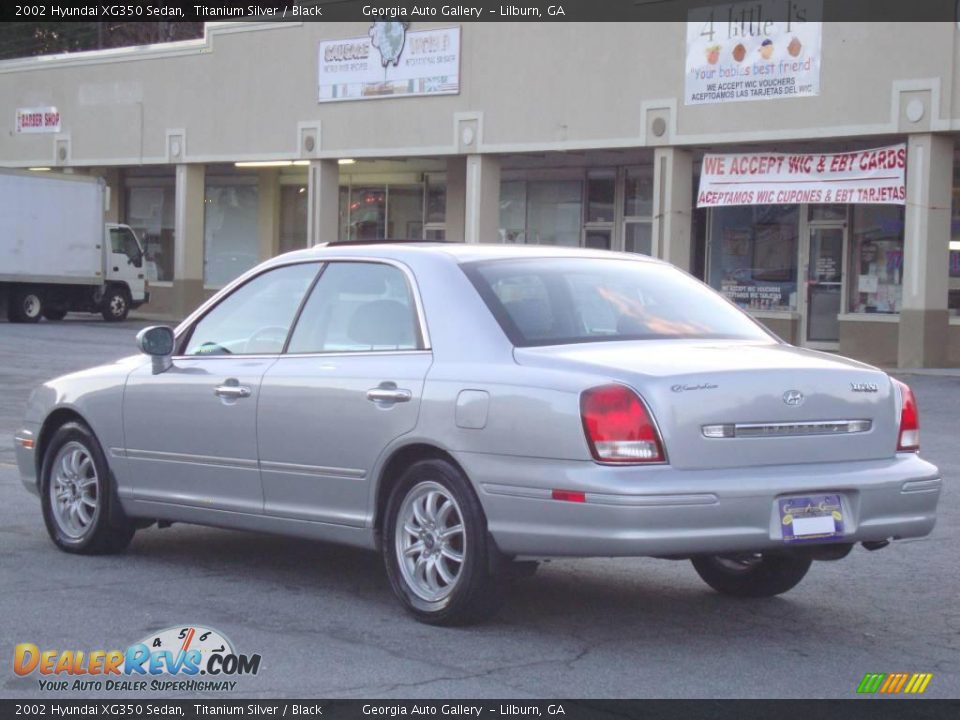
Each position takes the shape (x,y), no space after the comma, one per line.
(793,398)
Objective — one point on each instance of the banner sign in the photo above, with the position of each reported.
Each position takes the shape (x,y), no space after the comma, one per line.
(38,120)
(736,52)
(392,61)
(860,177)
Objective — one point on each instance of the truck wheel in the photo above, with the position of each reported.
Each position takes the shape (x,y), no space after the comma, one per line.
(26,306)
(54,313)
(115,305)
(752,575)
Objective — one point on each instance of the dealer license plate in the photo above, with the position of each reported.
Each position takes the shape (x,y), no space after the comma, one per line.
(812,518)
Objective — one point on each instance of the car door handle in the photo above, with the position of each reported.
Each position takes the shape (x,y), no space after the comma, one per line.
(389,395)
(232,391)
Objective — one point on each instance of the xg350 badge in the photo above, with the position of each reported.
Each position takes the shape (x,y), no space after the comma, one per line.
(864,387)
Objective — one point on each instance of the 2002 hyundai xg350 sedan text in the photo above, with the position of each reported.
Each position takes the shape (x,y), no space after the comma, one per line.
(468,409)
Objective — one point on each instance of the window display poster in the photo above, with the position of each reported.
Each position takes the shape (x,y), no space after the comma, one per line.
(774,255)
(759,50)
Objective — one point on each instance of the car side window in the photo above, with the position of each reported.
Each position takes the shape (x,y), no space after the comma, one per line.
(256,317)
(358,307)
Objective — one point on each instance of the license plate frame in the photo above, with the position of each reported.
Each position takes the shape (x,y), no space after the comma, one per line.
(811,518)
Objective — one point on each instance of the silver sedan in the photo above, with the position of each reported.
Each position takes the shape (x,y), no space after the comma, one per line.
(468,410)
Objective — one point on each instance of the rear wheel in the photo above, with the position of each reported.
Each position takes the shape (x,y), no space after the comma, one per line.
(435,547)
(752,574)
(76,495)
(26,305)
(115,304)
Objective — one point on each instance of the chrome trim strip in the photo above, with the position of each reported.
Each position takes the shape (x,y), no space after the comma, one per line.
(213,461)
(606,498)
(517,491)
(921,486)
(314,470)
(332,354)
(652,500)
(722,431)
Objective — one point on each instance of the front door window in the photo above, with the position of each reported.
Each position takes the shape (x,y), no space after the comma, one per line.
(825,284)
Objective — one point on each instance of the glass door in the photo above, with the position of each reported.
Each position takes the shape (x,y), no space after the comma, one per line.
(827,246)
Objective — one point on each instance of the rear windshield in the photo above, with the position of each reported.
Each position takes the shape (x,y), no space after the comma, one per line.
(556,301)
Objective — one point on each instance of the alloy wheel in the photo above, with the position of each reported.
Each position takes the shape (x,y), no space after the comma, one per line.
(431,543)
(74,493)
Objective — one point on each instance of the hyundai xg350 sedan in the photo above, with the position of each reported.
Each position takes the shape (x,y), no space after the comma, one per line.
(468,410)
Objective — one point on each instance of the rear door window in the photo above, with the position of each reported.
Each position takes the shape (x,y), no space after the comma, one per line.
(358,307)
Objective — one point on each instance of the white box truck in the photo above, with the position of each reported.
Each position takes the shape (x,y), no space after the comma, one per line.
(57,255)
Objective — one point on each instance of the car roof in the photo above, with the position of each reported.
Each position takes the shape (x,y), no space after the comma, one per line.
(458,252)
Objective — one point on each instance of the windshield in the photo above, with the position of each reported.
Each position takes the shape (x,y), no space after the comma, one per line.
(556,301)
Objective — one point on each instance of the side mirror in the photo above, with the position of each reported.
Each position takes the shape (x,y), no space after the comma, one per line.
(157,341)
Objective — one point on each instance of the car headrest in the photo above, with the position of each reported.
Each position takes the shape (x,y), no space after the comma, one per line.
(382,322)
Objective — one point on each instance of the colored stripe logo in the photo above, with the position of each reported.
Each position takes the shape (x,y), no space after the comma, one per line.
(894,683)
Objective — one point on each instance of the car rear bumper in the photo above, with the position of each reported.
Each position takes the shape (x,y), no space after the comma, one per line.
(659,511)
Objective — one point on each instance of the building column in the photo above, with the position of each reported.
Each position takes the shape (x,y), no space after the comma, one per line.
(924,322)
(188,239)
(456,193)
(482,207)
(323,202)
(268,212)
(672,205)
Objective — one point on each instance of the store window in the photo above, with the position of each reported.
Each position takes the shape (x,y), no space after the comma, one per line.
(368,213)
(231,236)
(954,298)
(601,209)
(293,217)
(876,259)
(638,211)
(405,212)
(753,255)
(513,211)
(541,212)
(150,212)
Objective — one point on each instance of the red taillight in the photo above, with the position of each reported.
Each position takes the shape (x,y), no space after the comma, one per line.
(909,438)
(569,496)
(618,427)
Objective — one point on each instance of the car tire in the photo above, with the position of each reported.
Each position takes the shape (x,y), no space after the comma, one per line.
(54,313)
(26,306)
(441,575)
(115,304)
(77,495)
(752,575)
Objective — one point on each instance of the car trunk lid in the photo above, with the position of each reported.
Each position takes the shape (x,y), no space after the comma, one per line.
(734,403)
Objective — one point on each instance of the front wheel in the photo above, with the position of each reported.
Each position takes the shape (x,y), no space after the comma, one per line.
(26,306)
(435,547)
(75,494)
(752,575)
(115,305)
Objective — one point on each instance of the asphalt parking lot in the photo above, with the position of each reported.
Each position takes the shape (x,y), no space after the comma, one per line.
(326,625)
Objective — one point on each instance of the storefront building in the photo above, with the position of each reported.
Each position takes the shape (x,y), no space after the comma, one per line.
(262,138)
